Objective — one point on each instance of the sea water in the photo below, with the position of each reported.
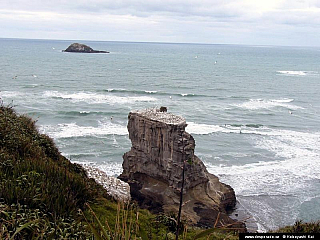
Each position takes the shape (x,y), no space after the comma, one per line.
(254,111)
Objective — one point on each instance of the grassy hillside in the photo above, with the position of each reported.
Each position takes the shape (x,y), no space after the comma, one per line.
(38,186)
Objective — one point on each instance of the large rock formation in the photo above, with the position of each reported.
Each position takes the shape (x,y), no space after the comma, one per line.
(82,48)
(153,168)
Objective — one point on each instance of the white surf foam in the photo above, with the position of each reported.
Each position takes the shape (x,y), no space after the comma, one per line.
(110,168)
(187,94)
(255,104)
(293,73)
(285,183)
(297,155)
(150,91)
(298,73)
(92,98)
(202,129)
(10,94)
(69,130)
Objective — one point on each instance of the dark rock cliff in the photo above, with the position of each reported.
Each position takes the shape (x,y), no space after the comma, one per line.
(153,168)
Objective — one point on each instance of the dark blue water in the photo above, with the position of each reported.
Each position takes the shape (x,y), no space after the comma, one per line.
(253,111)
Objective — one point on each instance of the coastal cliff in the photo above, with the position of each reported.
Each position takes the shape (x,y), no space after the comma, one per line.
(153,168)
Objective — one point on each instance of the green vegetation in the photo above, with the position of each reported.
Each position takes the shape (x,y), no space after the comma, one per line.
(38,186)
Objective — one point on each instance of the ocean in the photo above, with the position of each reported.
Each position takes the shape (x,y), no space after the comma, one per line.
(254,111)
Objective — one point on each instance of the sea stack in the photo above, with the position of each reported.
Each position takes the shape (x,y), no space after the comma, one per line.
(153,168)
(82,48)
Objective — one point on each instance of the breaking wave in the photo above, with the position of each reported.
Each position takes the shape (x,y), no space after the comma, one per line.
(204,129)
(297,73)
(90,97)
(255,104)
(10,94)
(69,130)
(121,90)
(281,184)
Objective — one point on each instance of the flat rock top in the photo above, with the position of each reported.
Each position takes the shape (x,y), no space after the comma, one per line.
(165,117)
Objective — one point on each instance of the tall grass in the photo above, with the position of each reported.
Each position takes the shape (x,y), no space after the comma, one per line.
(125,227)
(36,181)
(32,171)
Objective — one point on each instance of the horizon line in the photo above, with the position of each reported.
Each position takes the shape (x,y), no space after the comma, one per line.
(155,42)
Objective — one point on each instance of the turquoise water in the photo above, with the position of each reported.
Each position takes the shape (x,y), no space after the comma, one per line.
(253,110)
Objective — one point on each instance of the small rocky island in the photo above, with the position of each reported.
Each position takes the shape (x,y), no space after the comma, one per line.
(82,48)
(161,148)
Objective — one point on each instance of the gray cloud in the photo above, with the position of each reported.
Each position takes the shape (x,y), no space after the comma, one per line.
(233,21)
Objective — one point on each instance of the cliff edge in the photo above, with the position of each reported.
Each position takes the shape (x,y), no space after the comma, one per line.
(153,168)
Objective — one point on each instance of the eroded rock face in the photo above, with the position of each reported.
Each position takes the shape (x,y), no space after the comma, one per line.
(153,168)
(82,48)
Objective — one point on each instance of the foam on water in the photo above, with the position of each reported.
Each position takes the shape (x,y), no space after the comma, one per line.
(256,104)
(150,91)
(110,168)
(121,90)
(93,98)
(69,130)
(297,73)
(282,184)
(187,94)
(203,129)
(10,94)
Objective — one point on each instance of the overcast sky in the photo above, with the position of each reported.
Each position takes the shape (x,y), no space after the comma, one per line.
(254,22)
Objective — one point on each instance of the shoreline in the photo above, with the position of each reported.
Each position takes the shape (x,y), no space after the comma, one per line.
(241,214)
